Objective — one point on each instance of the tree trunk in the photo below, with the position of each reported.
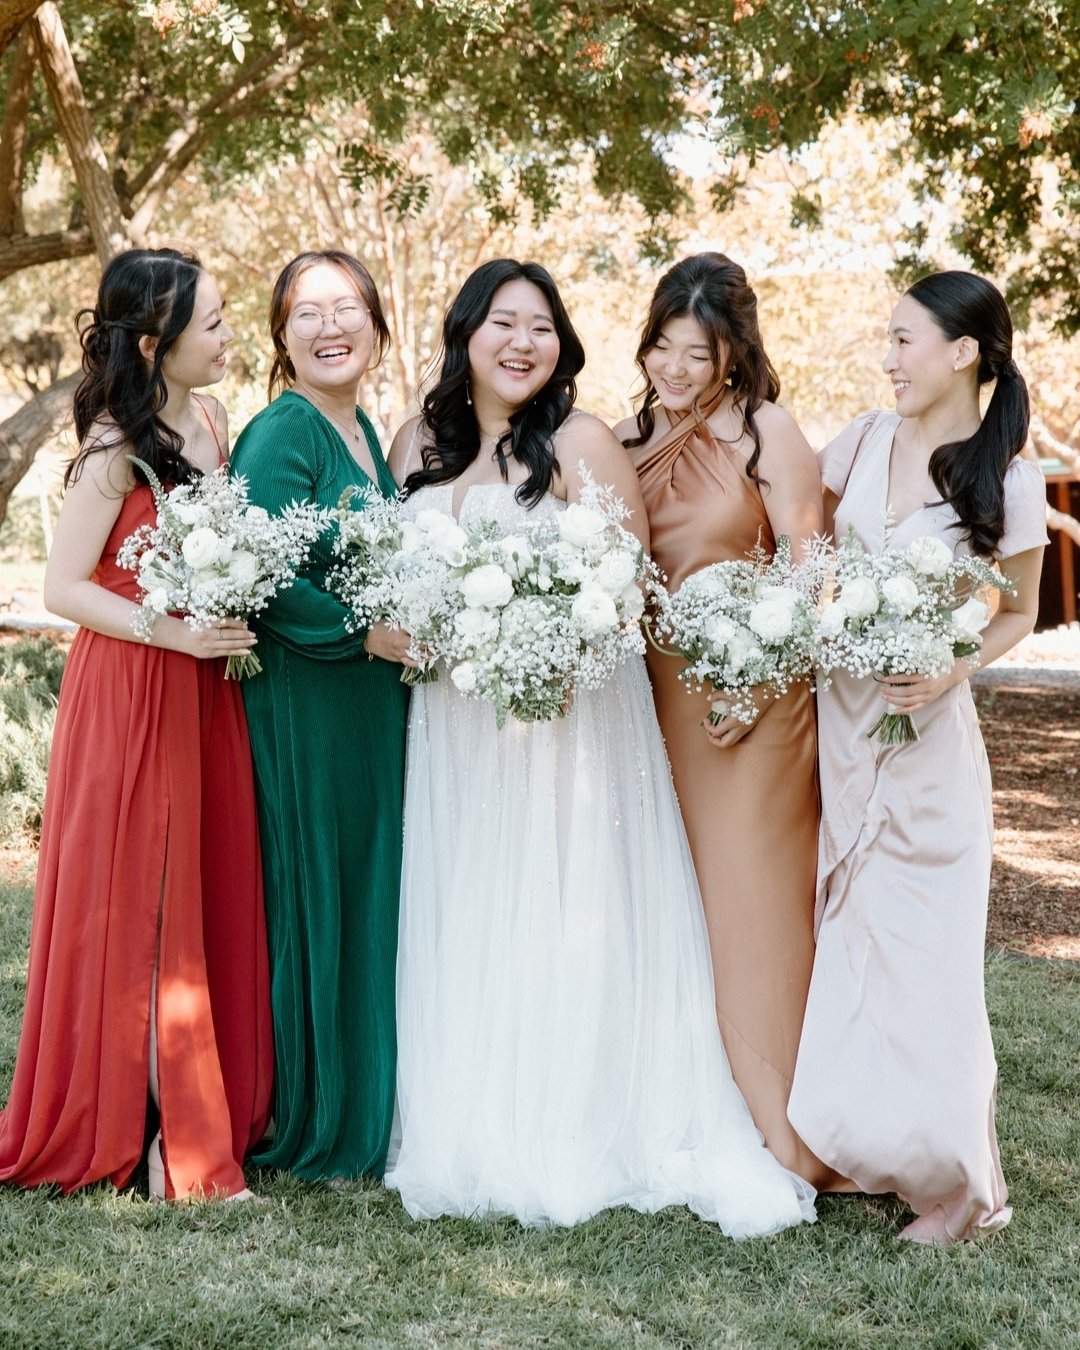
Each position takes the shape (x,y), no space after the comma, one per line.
(99,197)
(13,135)
(25,432)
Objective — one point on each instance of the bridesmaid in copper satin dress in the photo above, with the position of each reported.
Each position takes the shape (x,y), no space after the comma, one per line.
(721,468)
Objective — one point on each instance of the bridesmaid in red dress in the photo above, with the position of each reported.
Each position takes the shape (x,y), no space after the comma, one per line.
(148,973)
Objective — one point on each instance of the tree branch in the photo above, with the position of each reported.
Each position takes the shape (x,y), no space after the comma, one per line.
(13,14)
(87,157)
(30,250)
(1058,520)
(1049,447)
(13,135)
(24,433)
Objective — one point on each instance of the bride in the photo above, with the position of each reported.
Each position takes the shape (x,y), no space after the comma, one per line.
(558,1045)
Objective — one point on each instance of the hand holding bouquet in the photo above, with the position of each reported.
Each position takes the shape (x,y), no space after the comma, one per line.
(745,628)
(910,611)
(399,569)
(212,555)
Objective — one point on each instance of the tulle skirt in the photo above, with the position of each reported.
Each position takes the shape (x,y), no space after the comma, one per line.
(558,1045)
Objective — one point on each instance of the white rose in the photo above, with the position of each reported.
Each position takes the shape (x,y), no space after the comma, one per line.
(476,625)
(786,595)
(487,587)
(741,648)
(516,555)
(200,548)
(930,557)
(711,582)
(433,522)
(615,571)
(579,524)
(901,593)
(718,631)
(859,597)
(464,677)
(771,620)
(243,568)
(969,619)
(594,612)
(449,544)
(831,621)
(632,601)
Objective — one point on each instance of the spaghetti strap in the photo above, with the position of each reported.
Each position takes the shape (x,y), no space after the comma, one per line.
(210,423)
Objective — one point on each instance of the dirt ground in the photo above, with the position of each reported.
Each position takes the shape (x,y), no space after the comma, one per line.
(1032,736)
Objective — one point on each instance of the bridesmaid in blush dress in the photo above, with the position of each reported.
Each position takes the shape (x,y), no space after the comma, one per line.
(148,971)
(722,468)
(895,1081)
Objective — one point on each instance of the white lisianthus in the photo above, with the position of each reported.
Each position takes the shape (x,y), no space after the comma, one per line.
(969,619)
(579,524)
(189,513)
(929,556)
(200,548)
(740,649)
(772,620)
(432,522)
(449,543)
(594,612)
(516,555)
(487,587)
(859,597)
(157,600)
(786,595)
(243,567)
(901,593)
(615,571)
(632,601)
(464,676)
(831,620)
(411,537)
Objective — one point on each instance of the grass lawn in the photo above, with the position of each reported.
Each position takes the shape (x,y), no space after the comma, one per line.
(318,1267)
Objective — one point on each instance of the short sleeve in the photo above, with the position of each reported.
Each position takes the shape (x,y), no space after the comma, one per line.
(836,460)
(1025,509)
(282,453)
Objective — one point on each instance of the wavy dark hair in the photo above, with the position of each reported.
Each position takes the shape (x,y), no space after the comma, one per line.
(970,475)
(454,433)
(281,301)
(712,289)
(142,292)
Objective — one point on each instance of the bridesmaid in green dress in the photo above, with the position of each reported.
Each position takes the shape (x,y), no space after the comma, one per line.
(327,722)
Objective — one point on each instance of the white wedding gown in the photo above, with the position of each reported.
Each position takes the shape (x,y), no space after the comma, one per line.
(557,1037)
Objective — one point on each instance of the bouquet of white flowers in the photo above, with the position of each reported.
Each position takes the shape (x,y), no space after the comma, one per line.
(549,610)
(909,611)
(404,570)
(212,555)
(746,627)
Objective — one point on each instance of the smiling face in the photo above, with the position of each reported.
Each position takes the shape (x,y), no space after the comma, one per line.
(333,360)
(680,364)
(921,360)
(198,356)
(514,352)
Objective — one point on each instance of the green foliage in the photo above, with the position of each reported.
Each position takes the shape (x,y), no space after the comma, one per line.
(30,672)
(985,88)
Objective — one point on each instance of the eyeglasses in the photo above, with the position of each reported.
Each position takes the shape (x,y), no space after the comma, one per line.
(307,322)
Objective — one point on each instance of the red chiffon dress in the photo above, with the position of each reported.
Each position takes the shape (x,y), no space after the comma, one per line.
(149,857)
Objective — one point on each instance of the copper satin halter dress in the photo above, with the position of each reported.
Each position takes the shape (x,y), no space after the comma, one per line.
(751,811)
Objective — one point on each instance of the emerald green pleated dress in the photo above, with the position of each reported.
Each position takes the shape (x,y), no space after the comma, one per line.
(327,729)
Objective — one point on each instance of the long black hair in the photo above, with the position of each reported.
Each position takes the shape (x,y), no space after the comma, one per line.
(712,289)
(454,433)
(143,292)
(970,475)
